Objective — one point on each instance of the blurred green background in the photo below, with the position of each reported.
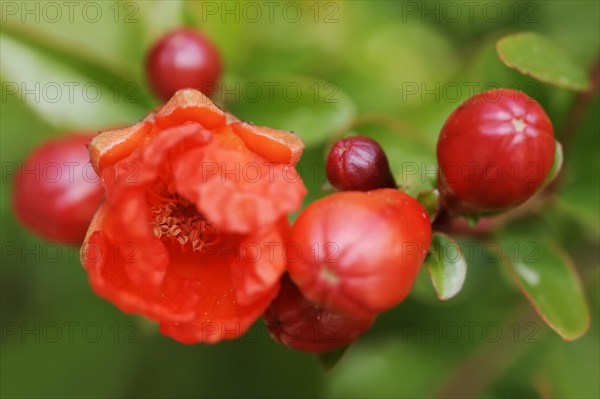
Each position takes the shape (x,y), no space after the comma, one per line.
(408,64)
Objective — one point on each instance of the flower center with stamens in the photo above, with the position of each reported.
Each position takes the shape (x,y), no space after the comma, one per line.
(175,218)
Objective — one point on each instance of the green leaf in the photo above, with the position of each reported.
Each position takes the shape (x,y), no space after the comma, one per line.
(472,220)
(328,360)
(60,95)
(533,54)
(309,107)
(446,265)
(423,291)
(549,280)
(159,17)
(430,199)
(103,33)
(556,166)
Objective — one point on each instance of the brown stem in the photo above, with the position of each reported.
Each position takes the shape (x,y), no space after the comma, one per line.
(574,118)
(579,107)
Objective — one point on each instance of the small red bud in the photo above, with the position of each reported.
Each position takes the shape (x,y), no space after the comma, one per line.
(494,152)
(56,191)
(182,59)
(358,163)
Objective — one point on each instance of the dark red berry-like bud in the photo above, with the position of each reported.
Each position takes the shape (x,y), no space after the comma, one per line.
(183,59)
(296,322)
(358,163)
(359,252)
(56,191)
(494,152)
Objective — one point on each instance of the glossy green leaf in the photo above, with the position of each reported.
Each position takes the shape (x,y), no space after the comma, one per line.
(61,95)
(557,165)
(575,27)
(329,360)
(549,280)
(430,200)
(533,54)
(103,33)
(311,108)
(423,291)
(158,17)
(446,265)
(473,219)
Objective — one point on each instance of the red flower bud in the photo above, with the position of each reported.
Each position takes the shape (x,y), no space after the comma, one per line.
(183,59)
(359,253)
(494,152)
(296,322)
(358,163)
(56,191)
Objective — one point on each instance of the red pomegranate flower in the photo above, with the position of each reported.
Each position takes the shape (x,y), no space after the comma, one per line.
(193,228)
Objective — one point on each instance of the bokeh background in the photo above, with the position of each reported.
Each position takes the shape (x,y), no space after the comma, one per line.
(400,67)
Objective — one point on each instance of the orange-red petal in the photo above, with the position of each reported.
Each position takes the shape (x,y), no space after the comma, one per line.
(274,145)
(218,321)
(237,191)
(111,146)
(260,262)
(190,106)
(116,272)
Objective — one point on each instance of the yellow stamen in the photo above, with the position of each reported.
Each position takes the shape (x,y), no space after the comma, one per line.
(174,217)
